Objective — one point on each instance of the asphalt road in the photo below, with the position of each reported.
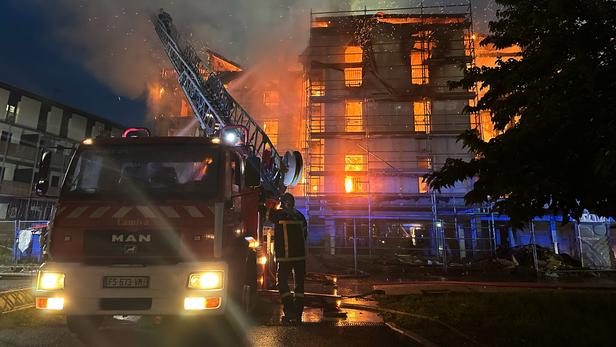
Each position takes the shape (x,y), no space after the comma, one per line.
(207,334)
(262,328)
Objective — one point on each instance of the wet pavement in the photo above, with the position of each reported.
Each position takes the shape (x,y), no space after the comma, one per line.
(262,328)
(305,335)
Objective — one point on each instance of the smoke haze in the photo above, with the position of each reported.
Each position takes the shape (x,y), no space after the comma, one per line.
(115,41)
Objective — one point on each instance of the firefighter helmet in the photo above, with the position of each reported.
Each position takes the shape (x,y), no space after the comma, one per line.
(287,200)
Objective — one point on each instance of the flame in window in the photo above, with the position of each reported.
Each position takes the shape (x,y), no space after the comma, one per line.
(420,53)
(353,75)
(423,185)
(348,184)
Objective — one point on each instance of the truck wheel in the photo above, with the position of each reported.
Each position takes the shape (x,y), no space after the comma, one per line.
(85,327)
(249,291)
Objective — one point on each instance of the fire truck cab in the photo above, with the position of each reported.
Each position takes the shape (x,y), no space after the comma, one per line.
(163,226)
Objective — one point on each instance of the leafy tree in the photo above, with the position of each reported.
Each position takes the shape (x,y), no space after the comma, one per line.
(555,109)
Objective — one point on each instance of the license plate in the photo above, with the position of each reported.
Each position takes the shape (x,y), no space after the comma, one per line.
(126,282)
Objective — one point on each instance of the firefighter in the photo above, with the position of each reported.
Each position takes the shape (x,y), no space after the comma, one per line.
(290,250)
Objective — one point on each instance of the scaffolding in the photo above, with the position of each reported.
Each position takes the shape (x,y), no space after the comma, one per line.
(381,115)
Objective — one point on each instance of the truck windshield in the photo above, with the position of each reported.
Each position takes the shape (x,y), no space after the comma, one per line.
(168,170)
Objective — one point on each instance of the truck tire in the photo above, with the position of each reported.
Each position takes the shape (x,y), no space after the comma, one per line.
(84,327)
(249,292)
(243,277)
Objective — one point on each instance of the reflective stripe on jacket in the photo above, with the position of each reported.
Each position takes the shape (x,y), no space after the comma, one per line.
(290,235)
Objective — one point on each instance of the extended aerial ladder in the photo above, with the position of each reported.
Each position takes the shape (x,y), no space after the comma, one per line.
(215,108)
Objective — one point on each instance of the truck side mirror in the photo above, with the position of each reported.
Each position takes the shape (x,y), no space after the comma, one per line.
(253,172)
(42,185)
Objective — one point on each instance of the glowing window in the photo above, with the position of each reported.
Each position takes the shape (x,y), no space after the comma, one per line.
(420,52)
(271,98)
(317,88)
(316,121)
(353,75)
(185,109)
(320,23)
(421,116)
(353,184)
(354,162)
(353,54)
(424,163)
(271,129)
(353,112)
(423,186)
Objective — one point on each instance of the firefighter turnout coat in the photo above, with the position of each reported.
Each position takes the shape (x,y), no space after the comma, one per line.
(290,235)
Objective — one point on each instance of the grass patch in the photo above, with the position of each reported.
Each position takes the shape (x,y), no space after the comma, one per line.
(30,318)
(530,318)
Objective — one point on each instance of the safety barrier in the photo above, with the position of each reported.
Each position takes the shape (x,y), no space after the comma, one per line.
(16,300)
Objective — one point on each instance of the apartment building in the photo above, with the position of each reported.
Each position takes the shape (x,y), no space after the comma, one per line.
(28,124)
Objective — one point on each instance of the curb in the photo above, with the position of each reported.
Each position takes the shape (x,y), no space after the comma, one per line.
(407,334)
(512,285)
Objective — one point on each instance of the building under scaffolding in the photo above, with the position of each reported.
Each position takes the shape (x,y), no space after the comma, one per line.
(381,115)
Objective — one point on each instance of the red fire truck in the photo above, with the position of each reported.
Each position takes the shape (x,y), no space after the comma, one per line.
(163,226)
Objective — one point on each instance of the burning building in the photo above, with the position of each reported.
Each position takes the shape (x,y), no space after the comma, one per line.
(373,112)
(487,56)
(171,114)
(381,115)
(272,93)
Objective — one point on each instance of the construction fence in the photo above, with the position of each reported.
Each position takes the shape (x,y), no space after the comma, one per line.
(20,241)
(448,240)
(467,240)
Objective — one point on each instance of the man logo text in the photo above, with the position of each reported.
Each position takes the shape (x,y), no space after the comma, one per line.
(131,238)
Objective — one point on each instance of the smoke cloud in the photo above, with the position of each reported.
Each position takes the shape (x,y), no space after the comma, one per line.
(115,41)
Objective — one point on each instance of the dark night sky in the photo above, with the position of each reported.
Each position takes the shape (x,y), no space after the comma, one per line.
(35,58)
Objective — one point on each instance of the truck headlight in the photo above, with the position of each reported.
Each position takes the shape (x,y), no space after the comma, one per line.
(50,281)
(205,280)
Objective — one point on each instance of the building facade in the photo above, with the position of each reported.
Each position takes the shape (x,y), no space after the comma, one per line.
(381,115)
(30,123)
(169,110)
